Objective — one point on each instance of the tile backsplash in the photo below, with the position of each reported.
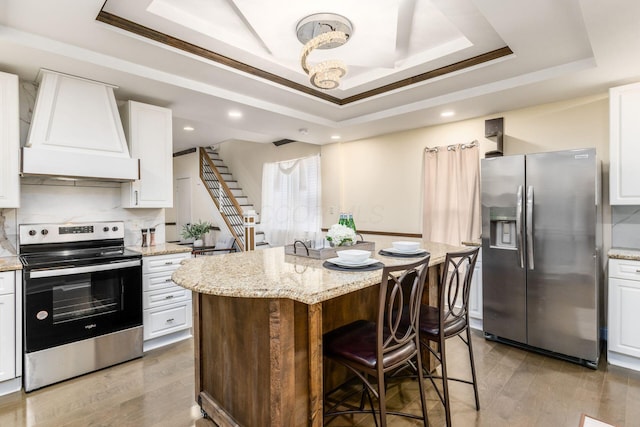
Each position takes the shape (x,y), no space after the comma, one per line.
(625,227)
(59,201)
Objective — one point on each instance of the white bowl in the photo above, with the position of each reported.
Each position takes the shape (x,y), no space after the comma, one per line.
(353,256)
(406,246)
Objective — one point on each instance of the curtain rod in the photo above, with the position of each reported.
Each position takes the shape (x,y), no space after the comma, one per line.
(453,147)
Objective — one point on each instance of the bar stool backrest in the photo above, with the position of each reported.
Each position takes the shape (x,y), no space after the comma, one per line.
(455,285)
(401,291)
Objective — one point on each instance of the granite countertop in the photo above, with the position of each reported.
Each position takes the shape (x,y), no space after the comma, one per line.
(10,263)
(270,273)
(161,249)
(624,253)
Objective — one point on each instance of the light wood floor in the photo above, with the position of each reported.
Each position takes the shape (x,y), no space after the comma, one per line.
(517,388)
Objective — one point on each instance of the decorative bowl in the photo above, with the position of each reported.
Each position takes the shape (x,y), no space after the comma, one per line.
(353,256)
(406,246)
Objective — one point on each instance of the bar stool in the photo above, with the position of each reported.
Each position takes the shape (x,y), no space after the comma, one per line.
(450,319)
(376,349)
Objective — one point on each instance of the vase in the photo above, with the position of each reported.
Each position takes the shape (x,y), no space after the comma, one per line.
(198,243)
(342,244)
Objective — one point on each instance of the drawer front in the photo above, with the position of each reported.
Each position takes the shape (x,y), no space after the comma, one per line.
(165,296)
(167,319)
(154,281)
(624,269)
(7,282)
(157,263)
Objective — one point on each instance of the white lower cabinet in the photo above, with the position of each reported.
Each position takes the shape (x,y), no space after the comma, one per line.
(475,295)
(623,342)
(167,311)
(10,332)
(7,337)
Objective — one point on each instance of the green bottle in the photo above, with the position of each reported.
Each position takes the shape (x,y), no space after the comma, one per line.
(351,223)
(343,219)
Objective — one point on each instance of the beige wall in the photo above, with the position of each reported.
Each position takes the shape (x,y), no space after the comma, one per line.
(380,179)
(245,160)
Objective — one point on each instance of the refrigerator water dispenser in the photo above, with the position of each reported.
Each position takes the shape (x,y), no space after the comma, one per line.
(502,228)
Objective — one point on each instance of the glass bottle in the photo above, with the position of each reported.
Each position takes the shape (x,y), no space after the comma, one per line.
(342,220)
(351,223)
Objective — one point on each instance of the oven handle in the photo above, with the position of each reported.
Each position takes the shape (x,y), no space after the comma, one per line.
(87,269)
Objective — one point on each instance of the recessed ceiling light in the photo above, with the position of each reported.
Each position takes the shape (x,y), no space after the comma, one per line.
(447,114)
(235,114)
(335,137)
(188,128)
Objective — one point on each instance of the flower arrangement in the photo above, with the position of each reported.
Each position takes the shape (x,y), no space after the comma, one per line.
(196,230)
(341,235)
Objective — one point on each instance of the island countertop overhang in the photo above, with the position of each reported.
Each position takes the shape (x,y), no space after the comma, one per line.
(270,273)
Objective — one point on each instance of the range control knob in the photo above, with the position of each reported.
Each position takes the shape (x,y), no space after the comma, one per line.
(115,229)
(32,232)
(44,232)
(105,229)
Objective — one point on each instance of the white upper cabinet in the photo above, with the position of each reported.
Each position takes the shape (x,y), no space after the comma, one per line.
(624,144)
(149,135)
(9,142)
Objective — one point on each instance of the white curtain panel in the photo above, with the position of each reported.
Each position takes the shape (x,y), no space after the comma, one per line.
(291,200)
(451,212)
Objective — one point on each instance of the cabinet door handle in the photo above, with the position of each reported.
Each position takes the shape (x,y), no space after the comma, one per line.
(135,193)
(168,263)
(169,280)
(638,270)
(170,320)
(168,297)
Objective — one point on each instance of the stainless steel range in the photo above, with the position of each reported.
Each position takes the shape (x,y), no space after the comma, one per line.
(82,300)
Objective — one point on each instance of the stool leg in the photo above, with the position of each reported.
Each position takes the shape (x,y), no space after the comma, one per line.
(473,368)
(423,395)
(445,382)
(382,400)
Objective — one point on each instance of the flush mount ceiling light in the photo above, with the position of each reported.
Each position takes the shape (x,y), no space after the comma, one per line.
(323,31)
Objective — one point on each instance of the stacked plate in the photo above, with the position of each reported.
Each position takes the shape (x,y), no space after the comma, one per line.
(403,248)
(353,258)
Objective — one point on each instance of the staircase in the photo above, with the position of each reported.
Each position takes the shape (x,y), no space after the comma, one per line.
(228,197)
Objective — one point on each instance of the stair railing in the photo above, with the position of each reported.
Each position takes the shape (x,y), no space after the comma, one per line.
(223,198)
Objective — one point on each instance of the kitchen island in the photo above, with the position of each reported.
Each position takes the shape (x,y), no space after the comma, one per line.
(258,323)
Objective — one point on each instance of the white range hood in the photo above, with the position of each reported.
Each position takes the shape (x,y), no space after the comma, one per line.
(76,132)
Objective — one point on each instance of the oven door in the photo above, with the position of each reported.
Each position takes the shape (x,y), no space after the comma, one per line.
(71,304)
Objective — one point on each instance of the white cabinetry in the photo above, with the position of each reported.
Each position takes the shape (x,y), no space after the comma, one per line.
(9,142)
(148,131)
(167,310)
(10,337)
(624,144)
(623,347)
(475,295)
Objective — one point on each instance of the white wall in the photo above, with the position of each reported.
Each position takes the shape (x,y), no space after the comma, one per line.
(202,207)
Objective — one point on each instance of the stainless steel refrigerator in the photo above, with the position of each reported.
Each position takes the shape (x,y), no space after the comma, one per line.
(541,243)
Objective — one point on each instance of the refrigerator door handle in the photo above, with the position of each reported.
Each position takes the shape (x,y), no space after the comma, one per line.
(529,225)
(520,242)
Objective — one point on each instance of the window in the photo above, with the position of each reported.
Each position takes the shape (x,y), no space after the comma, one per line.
(291,200)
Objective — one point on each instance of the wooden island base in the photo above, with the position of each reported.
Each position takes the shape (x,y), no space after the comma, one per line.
(259,361)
